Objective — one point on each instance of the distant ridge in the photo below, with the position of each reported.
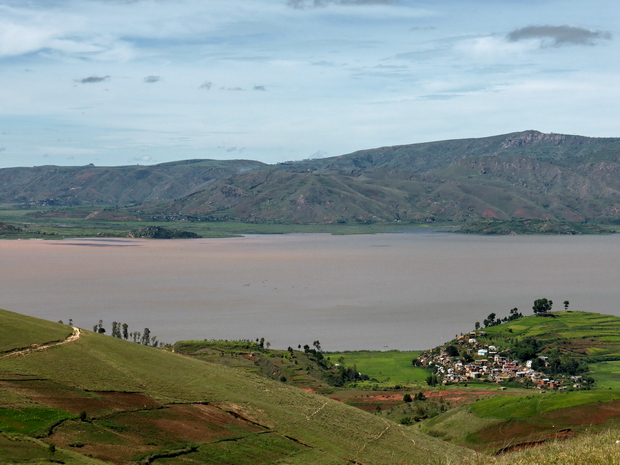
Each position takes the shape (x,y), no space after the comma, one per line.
(526,174)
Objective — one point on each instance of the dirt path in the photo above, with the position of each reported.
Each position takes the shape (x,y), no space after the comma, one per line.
(36,348)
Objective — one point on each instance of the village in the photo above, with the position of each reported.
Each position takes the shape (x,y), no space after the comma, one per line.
(489,363)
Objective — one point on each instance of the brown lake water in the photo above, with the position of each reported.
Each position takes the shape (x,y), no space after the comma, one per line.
(388,291)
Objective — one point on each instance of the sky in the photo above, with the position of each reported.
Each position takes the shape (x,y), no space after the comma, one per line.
(122,82)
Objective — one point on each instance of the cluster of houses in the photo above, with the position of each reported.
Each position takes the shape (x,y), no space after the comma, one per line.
(489,363)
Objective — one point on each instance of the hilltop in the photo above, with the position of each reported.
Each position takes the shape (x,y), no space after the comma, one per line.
(514,176)
(98,398)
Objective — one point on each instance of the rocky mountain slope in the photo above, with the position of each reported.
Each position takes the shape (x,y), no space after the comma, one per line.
(520,175)
(115,185)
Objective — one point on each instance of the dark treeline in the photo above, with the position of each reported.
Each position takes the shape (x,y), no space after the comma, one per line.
(121,331)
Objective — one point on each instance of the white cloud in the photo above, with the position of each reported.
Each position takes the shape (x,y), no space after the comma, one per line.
(18,39)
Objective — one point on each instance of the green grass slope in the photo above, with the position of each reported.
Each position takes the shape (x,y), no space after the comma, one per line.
(581,334)
(90,372)
(17,335)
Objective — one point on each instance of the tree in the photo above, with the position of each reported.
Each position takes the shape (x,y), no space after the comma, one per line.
(125,331)
(452,351)
(514,314)
(407,398)
(526,349)
(146,336)
(542,306)
(566,302)
(98,328)
(477,325)
(317,345)
(116,329)
(432,380)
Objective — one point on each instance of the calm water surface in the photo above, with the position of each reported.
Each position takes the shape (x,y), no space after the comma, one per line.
(387,291)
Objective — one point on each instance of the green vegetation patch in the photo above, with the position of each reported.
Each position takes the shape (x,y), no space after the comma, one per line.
(194,347)
(18,449)
(157,232)
(606,374)
(393,366)
(583,334)
(531,226)
(31,421)
(511,407)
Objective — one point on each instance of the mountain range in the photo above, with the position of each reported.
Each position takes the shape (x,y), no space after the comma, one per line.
(526,174)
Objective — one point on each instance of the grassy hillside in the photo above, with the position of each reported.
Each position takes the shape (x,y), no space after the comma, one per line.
(529,416)
(17,335)
(593,448)
(123,401)
(583,335)
(302,369)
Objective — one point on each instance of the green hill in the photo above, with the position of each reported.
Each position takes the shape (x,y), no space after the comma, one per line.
(519,418)
(583,335)
(112,400)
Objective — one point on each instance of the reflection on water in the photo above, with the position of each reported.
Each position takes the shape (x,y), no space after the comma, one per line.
(397,291)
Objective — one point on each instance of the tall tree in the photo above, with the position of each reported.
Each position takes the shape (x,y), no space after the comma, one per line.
(116,329)
(125,331)
(146,336)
